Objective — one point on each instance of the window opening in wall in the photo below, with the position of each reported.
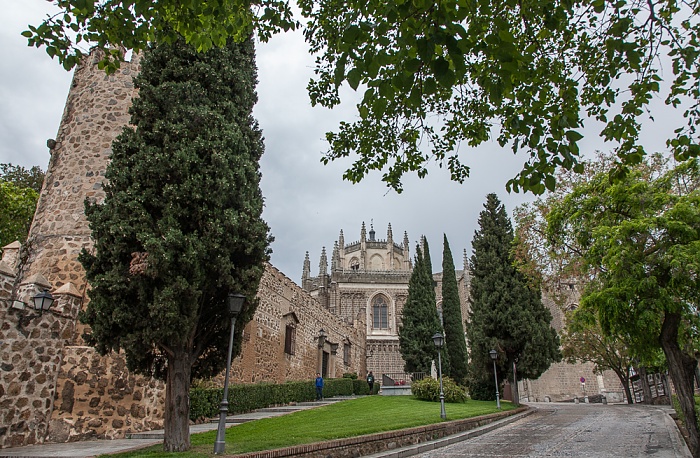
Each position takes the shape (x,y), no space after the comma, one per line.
(346,354)
(289,339)
(380,312)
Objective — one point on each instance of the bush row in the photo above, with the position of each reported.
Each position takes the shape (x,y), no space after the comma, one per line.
(205,401)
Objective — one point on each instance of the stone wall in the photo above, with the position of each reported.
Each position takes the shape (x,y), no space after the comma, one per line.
(95,113)
(282,302)
(97,397)
(31,349)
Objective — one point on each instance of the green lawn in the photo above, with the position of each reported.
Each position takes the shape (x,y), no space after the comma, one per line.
(355,417)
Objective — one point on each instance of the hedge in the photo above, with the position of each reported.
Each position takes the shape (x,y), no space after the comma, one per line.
(205,402)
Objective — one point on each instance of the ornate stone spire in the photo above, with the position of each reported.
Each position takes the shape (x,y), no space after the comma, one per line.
(371,231)
(466,261)
(335,259)
(363,233)
(306,272)
(406,253)
(341,240)
(389,235)
(323,263)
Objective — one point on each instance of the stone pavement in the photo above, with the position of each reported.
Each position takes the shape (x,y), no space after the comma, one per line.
(135,441)
(566,430)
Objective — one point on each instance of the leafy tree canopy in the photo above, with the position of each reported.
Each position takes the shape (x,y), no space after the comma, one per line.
(438,75)
(21,177)
(640,244)
(17,206)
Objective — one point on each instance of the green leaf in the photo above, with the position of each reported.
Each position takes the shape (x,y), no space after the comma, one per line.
(354,78)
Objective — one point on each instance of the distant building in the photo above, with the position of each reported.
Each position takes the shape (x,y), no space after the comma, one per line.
(368,280)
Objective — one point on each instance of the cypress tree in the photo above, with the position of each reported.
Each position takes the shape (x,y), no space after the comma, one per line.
(428,265)
(180,227)
(456,347)
(507,314)
(419,320)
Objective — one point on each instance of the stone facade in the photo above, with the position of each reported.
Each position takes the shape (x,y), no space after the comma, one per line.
(286,308)
(368,280)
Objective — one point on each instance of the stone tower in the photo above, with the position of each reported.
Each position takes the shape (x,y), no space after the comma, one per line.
(58,379)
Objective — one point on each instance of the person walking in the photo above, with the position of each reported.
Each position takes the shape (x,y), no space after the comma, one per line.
(370,382)
(319,387)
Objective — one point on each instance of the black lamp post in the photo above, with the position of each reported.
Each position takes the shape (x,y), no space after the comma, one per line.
(235,304)
(439,341)
(494,356)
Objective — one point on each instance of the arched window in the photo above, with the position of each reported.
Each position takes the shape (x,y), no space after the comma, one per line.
(380,313)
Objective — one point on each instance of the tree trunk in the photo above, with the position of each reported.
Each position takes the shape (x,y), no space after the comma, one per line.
(681,367)
(516,394)
(177,403)
(625,382)
(645,385)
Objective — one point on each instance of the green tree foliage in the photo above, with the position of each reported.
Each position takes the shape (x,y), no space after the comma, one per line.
(133,24)
(21,177)
(180,227)
(558,268)
(19,193)
(419,319)
(506,313)
(529,74)
(641,241)
(452,318)
(584,341)
(17,206)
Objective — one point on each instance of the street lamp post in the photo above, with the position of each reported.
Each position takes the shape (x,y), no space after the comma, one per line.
(439,340)
(494,356)
(235,304)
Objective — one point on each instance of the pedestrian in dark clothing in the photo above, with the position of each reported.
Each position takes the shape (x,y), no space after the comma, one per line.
(319,387)
(370,382)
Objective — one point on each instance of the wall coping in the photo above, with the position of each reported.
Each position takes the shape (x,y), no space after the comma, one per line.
(6,269)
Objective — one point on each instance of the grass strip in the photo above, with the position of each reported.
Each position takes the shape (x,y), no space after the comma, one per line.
(354,417)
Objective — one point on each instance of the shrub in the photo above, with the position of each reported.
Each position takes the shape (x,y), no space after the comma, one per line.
(428,389)
(351,375)
(482,389)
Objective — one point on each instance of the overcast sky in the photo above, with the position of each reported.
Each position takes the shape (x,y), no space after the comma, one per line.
(306,203)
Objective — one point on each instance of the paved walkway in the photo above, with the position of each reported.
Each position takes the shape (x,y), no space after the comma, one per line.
(555,430)
(567,430)
(136,441)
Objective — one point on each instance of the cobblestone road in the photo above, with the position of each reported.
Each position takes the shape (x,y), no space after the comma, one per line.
(577,430)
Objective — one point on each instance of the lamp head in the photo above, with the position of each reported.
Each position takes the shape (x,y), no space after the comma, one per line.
(235,303)
(493,354)
(43,301)
(438,340)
